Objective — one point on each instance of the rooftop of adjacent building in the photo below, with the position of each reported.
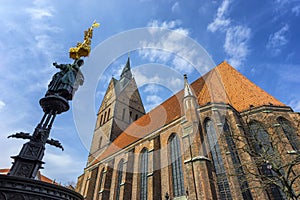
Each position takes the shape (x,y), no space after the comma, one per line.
(223,84)
(39,176)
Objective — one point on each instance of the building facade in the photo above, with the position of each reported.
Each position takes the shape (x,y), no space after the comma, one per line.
(220,137)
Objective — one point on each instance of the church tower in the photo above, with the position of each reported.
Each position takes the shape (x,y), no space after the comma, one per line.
(120,106)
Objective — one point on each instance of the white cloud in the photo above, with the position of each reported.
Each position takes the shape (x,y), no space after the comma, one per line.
(296,10)
(182,65)
(165,24)
(277,40)
(61,166)
(170,82)
(28,47)
(236,44)
(282,2)
(152,89)
(2,104)
(236,36)
(154,99)
(220,22)
(155,55)
(175,8)
(172,44)
(39,13)
(295,104)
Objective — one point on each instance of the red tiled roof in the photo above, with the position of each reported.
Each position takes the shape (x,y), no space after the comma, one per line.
(40,176)
(223,84)
(4,171)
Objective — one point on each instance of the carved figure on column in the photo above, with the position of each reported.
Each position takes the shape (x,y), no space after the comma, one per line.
(65,82)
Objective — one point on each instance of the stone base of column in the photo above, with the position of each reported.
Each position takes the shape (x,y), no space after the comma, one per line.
(12,188)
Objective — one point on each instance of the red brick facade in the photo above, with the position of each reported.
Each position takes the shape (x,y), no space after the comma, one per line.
(205,167)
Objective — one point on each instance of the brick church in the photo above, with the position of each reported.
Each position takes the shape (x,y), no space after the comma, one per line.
(220,137)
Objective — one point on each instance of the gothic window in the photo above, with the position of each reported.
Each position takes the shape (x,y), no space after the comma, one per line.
(100,141)
(101,118)
(130,116)
(143,174)
(108,114)
(290,133)
(101,179)
(123,114)
(92,183)
(119,179)
(260,142)
(236,162)
(176,166)
(222,182)
(104,119)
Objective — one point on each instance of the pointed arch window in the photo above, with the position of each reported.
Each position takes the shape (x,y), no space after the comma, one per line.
(123,114)
(143,174)
(100,181)
(108,114)
(222,182)
(119,179)
(104,119)
(259,138)
(290,133)
(100,143)
(130,116)
(101,118)
(236,162)
(176,166)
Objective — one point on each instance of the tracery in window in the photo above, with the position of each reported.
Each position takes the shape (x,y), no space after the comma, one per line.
(222,182)
(176,166)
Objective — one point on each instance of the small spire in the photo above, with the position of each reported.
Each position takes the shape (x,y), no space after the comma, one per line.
(187,88)
(126,71)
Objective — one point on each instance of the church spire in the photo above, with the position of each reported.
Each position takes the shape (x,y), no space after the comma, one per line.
(190,104)
(126,70)
(126,75)
(187,88)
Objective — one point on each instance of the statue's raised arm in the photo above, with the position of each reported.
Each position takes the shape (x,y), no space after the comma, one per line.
(65,82)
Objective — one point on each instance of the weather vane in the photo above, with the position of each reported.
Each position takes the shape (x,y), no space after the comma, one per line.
(84,48)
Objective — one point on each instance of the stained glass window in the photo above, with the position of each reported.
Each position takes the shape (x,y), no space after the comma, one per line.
(236,162)
(143,174)
(176,166)
(261,144)
(289,131)
(119,179)
(222,182)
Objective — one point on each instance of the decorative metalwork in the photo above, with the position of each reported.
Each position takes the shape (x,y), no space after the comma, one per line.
(60,90)
(12,187)
(83,49)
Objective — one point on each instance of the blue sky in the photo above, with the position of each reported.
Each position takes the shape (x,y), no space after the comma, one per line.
(259,38)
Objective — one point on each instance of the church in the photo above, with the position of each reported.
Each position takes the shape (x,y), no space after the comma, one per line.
(220,137)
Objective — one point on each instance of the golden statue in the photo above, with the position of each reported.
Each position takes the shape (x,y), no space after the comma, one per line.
(84,48)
